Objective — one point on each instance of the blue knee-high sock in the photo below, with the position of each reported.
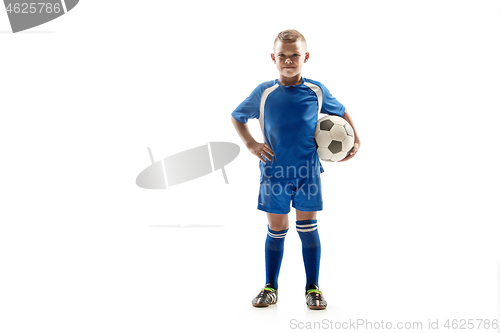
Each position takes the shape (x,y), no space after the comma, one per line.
(311,249)
(275,242)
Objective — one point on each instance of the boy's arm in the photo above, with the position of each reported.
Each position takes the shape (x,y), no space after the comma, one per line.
(261,150)
(357,142)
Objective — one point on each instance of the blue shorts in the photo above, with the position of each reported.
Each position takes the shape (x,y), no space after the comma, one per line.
(304,193)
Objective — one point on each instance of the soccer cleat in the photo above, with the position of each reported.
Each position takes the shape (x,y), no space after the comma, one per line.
(266,297)
(315,299)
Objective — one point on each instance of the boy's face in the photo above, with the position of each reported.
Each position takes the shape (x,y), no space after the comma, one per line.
(289,58)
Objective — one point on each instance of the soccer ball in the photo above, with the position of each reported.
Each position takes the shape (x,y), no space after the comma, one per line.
(334,138)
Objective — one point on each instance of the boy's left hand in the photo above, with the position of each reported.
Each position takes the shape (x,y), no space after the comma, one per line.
(353,152)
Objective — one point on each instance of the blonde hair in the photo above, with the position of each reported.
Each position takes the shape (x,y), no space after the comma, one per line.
(290,36)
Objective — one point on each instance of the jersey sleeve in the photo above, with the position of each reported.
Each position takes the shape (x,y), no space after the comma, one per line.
(330,104)
(250,107)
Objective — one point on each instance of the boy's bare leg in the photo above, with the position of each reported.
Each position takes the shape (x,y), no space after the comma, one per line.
(277,222)
(301,216)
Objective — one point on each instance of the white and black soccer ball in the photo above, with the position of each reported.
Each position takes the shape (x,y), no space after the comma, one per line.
(334,138)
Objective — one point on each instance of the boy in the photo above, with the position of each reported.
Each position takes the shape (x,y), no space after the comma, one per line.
(287,109)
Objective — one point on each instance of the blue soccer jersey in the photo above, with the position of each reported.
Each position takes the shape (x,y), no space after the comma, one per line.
(288,117)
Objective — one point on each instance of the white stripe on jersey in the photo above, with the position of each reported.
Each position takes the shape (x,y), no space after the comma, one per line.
(263,98)
(318,92)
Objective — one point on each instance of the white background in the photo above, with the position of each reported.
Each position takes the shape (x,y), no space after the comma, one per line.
(410,226)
